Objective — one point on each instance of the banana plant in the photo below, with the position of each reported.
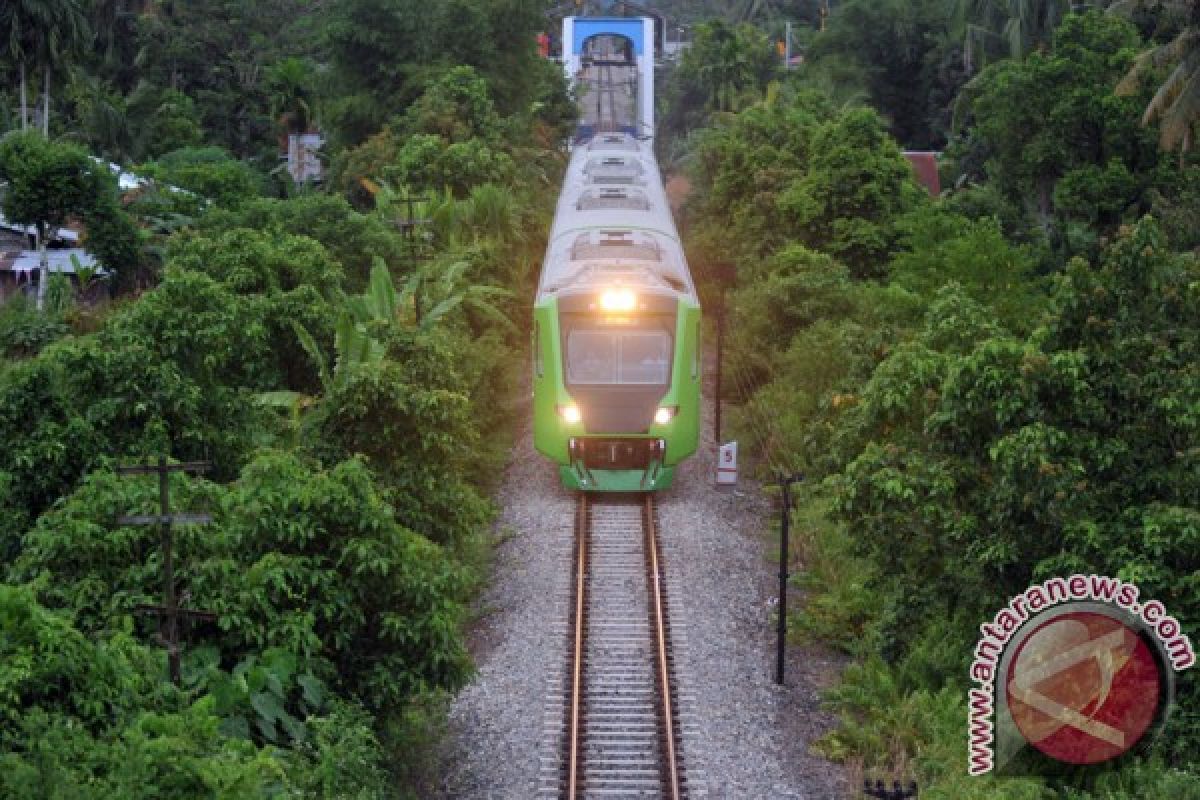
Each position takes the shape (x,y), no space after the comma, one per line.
(436,289)
(429,294)
(352,345)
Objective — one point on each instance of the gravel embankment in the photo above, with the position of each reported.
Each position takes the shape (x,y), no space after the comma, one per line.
(748,738)
(496,721)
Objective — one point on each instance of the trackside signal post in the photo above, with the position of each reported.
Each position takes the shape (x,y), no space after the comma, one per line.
(169,612)
(785,487)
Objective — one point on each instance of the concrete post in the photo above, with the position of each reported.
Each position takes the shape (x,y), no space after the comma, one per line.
(646,74)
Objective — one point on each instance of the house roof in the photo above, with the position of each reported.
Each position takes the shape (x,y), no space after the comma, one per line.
(63,234)
(125,180)
(924,164)
(26,261)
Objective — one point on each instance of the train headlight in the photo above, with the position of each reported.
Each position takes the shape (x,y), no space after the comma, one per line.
(570,414)
(618,300)
(664,414)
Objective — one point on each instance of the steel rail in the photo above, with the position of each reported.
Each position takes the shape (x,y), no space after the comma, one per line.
(578,773)
(660,633)
(573,733)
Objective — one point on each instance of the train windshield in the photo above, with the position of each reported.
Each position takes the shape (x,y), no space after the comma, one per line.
(637,358)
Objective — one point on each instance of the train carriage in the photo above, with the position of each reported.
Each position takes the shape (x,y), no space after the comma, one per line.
(616,330)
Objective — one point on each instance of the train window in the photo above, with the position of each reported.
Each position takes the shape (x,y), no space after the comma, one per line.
(614,180)
(614,142)
(611,167)
(591,357)
(637,358)
(645,357)
(642,249)
(609,199)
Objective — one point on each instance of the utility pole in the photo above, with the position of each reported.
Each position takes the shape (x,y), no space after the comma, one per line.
(787,45)
(720,359)
(409,222)
(43,264)
(408,225)
(785,485)
(169,613)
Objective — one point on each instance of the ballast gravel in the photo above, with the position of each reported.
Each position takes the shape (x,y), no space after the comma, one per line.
(746,738)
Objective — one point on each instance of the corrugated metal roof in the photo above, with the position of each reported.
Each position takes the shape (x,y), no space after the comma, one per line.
(64,234)
(59,260)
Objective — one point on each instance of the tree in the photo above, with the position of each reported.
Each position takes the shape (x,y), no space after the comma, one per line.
(855,186)
(897,49)
(353,240)
(14,32)
(45,33)
(115,46)
(1176,102)
(457,107)
(1010,27)
(289,83)
(731,62)
(1043,118)
(210,172)
(64,36)
(219,53)
(741,167)
(127,129)
(384,53)
(47,183)
(726,69)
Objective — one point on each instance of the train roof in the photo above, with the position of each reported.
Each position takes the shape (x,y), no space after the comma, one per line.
(613,225)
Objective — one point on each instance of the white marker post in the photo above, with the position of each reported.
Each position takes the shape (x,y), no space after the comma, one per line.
(727,464)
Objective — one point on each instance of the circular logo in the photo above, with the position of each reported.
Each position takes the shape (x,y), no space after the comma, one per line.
(1083,687)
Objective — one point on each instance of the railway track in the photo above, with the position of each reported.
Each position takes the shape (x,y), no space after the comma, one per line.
(619,731)
(606,102)
(608,111)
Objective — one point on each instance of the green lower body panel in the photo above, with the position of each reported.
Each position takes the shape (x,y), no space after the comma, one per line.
(617,480)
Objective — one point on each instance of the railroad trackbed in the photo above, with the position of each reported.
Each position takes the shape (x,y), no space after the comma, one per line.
(615,716)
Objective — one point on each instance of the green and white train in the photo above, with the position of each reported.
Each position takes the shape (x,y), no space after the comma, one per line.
(616,334)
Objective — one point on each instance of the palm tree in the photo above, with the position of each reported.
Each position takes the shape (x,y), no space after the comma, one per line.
(115,25)
(755,10)
(729,76)
(1017,27)
(1176,102)
(15,26)
(46,33)
(290,85)
(65,34)
(105,119)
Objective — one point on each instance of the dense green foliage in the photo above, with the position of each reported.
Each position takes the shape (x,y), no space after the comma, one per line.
(904,54)
(724,68)
(47,183)
(350,385)
(984,389)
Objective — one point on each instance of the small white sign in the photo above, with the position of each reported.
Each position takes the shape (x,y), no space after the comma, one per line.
(727,464)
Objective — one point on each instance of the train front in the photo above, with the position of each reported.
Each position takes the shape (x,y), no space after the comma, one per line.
(617,384)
